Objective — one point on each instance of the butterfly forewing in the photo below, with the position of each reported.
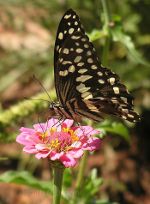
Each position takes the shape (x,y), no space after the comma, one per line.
(84,87)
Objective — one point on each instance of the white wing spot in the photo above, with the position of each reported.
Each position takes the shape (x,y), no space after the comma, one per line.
(80,64)
(100,73)
(63,73)
(66,62)
(79,50)
(77,44)
(124,117)
(82,71)
(67,16)
(57,47)
(89,53)
(60,59)
(65,31)
(130,116)
(71,68)
(71,30)
(74,37)
(124,99)
(66,51)
(111,80)
(86,45)
(69,23)
(101,81)
(79,29)
(116,90)
(76,23)
(83,39)
(90,60)
(71,49)
(74,16)
(83,78)
(86,95)
(60,36)
(77,59)
(93,67)
(82,88)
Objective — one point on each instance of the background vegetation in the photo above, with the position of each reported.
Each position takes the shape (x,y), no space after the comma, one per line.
(121,37)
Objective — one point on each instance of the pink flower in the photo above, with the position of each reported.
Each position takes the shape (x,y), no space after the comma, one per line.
(59,141)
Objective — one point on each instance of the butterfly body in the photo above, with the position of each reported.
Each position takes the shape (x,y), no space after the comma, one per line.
(83,86)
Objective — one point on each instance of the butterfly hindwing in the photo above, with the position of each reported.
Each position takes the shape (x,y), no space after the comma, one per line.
(84,87)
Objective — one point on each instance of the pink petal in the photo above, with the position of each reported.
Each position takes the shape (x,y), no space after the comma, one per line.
(40,155)
(68,161)
(27,130)
(55,156)
(86,130)
(68,122)
(76,153)
(30,149)
(92,144)
(40,147)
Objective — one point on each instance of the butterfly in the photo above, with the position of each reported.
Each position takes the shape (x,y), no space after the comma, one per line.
(83,86)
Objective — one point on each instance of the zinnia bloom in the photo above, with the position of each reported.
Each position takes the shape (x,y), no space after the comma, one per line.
(58,141)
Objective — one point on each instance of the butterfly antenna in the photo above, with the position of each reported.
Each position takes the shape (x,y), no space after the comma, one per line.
(37,80)
(26,98)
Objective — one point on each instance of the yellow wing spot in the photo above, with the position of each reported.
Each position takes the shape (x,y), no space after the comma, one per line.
(87,95)
(67,16)
(77,59)
(71,68)
(116,90)
(82,71)
(112,80)
(66,62)
(63,73)
(80,64)
(60,36)
(83,78)
(82,88)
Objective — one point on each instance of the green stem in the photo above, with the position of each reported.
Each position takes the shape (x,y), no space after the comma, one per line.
(107,19)
(58,178)
(80,177)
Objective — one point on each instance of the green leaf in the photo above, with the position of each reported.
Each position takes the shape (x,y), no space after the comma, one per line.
(120,36)
(97,34)
(114,128)
(24,177)
(104,202)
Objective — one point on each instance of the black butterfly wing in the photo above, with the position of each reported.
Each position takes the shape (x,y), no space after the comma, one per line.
(83,85)
(69,24)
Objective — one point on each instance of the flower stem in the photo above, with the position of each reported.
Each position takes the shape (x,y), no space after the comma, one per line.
(107,20)
(58,178)
(80,177)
